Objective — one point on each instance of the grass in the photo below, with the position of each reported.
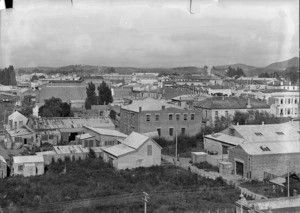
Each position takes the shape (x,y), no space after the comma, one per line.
(94,178)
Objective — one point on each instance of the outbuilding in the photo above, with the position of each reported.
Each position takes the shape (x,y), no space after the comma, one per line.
(137,150)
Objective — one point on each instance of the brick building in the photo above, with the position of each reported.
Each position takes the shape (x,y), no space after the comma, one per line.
(150,115)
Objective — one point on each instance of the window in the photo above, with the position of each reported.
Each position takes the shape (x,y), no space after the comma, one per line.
(159,132)
(20,123)
(216,113)
(157,117)
(206,113)
(192,117)
(171,131)
(44,137)
(295,100)
(20,168)
(289,101)
(281,101)
(185,117)
(226,114)
(51,137)
(170,117)
(231,131)
(147,117)
(149,150)
(295,110)
(15,125)
(279,133)
(177,117)
(183,131)
(265,148)
(258,133)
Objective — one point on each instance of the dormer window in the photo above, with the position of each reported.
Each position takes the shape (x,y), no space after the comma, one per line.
(258,134)
(279,133)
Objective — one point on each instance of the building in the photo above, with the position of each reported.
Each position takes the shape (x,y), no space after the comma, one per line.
(271,205)
(136,150)
(257,150)
(99,137)
(16,120)
(216,107)
(150,115)
(67,91)
(3,167)
(30,165)
(69,127)
(23,135)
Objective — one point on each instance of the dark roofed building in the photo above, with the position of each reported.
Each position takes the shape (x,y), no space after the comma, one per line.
(226,106)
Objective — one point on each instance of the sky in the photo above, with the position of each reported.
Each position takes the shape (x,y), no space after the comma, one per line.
(154,33)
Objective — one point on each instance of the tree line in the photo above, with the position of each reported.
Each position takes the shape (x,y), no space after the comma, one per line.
(104,96)
(8,76)
(232,72)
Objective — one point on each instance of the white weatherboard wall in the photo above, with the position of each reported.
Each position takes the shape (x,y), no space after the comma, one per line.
(140,158)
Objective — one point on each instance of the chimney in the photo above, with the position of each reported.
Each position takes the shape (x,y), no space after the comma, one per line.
(237,123)
(223,98)
(163,107)
(263,123)
(249,103)
(140,109)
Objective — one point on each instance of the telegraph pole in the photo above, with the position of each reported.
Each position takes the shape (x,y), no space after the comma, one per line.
(145,198)
(176,151)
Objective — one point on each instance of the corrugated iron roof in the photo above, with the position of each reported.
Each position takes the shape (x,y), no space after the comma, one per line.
(28,159)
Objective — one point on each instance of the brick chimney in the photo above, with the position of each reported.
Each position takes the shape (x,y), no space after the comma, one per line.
(140,109)
(163,107)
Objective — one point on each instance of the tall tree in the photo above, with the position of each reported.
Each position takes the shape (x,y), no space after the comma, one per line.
(105,96)
(91,98)
(54,107)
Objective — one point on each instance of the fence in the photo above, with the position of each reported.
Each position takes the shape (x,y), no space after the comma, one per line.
(215,159)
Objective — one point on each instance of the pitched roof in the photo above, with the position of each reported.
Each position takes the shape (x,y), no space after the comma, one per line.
(231,103)
(118,150)
(135,140)
(84,136)
(110,132)
(225,138)
(148,104)
(269,132)
(15,114)
(267,148)
(28,159)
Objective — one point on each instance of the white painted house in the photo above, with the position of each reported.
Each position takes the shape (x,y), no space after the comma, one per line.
(137,150)
(16,120)
(30,165)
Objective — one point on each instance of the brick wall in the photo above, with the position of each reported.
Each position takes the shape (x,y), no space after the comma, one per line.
(134,121)
(238,154)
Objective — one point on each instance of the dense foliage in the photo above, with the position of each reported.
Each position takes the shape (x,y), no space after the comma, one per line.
(8,76)
(93,178)
(292,73)
(54,107)
(232,72)
(104,94)
(91,98)
(27,105)
(254,117)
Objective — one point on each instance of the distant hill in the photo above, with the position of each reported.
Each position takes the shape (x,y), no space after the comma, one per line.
(218,70)
(250,71)
(293,62)
(245,67)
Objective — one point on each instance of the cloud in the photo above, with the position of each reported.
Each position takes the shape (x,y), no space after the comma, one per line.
(149,33)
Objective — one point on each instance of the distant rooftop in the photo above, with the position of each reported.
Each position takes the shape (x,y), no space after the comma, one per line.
(148,104)
(231,103)
(72,122)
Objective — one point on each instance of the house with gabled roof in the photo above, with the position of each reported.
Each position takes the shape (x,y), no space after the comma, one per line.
(137,150)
